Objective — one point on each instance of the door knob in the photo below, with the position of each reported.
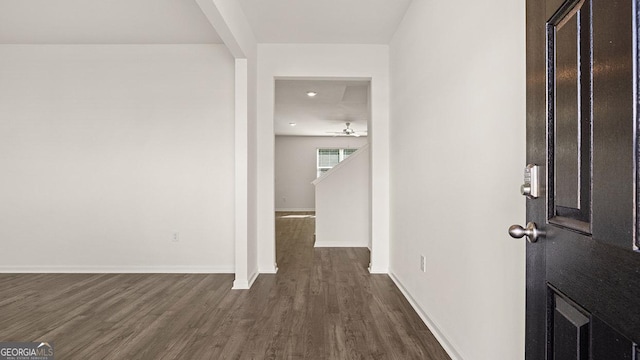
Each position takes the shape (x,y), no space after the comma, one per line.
(531,232)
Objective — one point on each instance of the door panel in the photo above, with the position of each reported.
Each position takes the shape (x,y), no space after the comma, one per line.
(570,331)
(569,115)
(613,99)
(583,276)
(567,119)
(611,344)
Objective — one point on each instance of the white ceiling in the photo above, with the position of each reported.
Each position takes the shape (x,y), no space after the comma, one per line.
(104,22)
(324,21)
(337,102)
(182,21)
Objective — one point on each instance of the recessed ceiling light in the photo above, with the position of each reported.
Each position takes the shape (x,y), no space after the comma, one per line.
(312,93)
(292,124)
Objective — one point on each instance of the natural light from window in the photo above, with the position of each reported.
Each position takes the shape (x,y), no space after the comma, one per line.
(328,158)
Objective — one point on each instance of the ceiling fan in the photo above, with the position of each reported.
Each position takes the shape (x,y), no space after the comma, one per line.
(348,131)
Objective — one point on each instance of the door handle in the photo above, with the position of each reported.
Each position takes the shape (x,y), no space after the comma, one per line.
(531,232)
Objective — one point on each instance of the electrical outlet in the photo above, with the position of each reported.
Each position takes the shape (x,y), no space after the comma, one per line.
(175,237)
(423,263)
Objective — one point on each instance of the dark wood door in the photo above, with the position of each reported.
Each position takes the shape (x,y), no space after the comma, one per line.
(583,275)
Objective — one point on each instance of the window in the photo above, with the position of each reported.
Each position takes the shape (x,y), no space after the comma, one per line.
(328,158)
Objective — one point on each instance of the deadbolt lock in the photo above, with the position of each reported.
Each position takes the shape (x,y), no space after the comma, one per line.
(531,186)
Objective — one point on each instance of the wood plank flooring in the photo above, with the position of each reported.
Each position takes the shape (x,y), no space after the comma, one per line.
(322,304)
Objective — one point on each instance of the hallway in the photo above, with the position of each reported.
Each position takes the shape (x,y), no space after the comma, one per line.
(339,310)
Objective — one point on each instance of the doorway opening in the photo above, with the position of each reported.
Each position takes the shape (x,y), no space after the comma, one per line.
(322,160)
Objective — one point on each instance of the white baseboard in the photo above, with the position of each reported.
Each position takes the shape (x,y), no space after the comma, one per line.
(253,278)
(338,244)
(241,284)
(435,330)
(296,209)
(378,271)
(116,269)
(273,270)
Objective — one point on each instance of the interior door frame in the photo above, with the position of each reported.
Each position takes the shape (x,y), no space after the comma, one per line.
(363,62)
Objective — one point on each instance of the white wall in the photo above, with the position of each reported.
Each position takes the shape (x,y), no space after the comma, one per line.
(342,203)
(364,62)
(106,150)
(295,168)
(457,145)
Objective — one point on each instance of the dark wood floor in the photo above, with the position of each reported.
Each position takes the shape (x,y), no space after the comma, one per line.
(322,304)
